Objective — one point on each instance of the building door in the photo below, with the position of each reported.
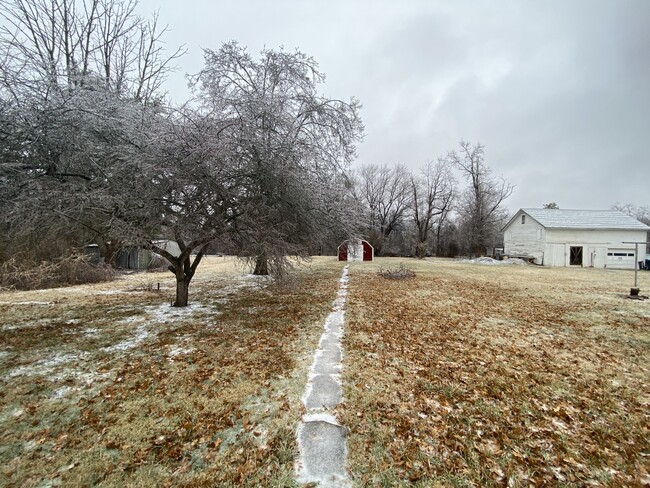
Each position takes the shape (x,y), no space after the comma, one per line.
(575,255)
(343,251)
(620,258)
(367,251)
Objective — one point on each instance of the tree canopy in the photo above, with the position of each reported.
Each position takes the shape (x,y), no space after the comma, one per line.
(255,162)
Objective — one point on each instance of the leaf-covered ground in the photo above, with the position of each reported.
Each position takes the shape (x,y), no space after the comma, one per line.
(466,375)
(107,385)
(471,375)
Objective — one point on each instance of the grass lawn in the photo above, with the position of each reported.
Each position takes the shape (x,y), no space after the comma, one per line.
(475,375)
(466,375)
(107,385)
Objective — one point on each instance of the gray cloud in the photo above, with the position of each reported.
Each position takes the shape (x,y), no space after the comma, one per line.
(557,91)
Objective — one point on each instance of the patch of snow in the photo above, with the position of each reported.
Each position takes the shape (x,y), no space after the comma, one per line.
(27,325)
(87,378)
(46,365)
(132,319)
(91,331)
(495,262)
(141,334)
(62,392)
(11,413)
(320,417)
(177,350)
(110,292)
(162,313)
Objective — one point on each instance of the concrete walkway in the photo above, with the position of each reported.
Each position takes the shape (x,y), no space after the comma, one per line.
(321,439)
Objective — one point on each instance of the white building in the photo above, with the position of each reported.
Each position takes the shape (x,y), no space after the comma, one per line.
(559,237)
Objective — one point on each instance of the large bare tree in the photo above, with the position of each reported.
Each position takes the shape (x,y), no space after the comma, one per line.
(290,143)
(50,46)
(433,191)
(481,204)
(385,192)
(56,55)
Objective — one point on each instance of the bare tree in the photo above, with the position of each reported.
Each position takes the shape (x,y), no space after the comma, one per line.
(385,192)
(641,213)
(290,144)
(481,204)
(55,45)
(432,194)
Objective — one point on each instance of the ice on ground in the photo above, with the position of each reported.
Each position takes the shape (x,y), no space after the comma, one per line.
(62,392)
(495,262)
(320,417)
(177,350)
(46,365)
(162,313)
(141,334)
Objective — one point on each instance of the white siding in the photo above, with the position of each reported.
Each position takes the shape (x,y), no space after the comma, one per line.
(551,247)
(595,246)
(355,251)
(525,239)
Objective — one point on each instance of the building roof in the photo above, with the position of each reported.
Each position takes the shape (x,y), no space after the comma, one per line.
(560,218)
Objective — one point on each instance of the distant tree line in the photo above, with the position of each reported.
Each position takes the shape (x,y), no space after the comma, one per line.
(427,212)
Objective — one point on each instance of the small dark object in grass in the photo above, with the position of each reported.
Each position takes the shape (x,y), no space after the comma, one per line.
(401,273)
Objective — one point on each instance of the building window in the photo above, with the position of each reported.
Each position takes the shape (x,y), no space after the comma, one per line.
(523,219)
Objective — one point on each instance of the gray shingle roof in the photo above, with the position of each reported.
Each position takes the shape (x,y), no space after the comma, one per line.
(560,218)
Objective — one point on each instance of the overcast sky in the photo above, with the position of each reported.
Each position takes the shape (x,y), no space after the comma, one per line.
(557,91)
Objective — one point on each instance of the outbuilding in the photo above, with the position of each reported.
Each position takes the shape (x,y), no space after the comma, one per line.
(562,237)
(356,250)
(134,257)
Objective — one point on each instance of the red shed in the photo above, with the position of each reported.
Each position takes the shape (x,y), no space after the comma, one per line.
(356,250)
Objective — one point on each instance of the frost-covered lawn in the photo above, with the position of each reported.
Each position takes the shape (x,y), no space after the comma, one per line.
(466,375)
(108,385)
(474,375)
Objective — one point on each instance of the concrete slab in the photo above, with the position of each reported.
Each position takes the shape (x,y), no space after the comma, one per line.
(323,455)
(326,392)
(320,438)
(328,361)
(329,341)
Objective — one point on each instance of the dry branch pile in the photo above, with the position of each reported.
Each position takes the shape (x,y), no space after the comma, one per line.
(72,270)
(402,272)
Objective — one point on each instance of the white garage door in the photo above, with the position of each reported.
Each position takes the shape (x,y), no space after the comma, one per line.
(620,258)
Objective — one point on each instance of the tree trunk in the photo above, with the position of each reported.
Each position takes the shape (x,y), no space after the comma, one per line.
(261,266)
(182,291)
(421,250)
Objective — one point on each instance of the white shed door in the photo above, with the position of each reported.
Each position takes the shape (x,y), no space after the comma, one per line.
(620,258)
(555,255)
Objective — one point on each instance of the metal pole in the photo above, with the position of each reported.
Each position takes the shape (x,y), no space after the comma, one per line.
(636,262)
